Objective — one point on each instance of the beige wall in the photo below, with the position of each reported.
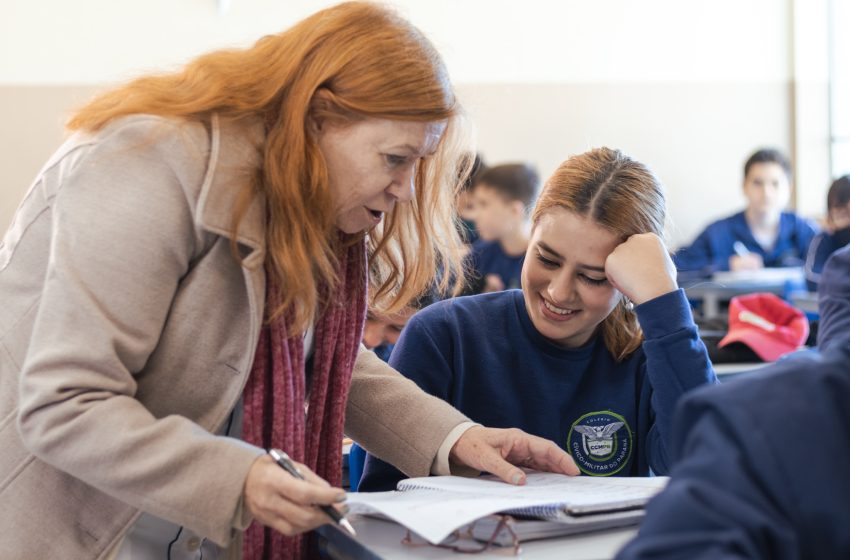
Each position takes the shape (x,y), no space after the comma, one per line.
(32,120)
(694,135)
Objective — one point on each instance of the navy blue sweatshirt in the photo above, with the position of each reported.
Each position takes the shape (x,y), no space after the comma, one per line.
(483,355)
(710,252)
(762,462)
(488,257)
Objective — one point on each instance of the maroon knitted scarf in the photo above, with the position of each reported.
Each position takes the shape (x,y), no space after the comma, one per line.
(274,395)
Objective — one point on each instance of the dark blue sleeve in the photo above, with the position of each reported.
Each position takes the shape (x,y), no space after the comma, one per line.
(422,354)
(676,362)
(701,257)
(820,249)
(716,505)
(806,231)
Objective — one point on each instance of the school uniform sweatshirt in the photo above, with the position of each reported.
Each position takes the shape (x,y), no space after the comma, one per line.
(761,463)
(483,355)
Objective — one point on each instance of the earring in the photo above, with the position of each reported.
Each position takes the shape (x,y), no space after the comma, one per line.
(627,303)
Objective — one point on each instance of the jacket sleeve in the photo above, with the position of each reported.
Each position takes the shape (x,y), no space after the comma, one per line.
(717,505)
(394,419)
(676,362)
(422,359)
(122,240)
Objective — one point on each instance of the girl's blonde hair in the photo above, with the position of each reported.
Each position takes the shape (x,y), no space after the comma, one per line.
(621,195)
(368,63)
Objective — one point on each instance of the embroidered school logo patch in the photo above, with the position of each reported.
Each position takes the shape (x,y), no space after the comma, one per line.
(600,443)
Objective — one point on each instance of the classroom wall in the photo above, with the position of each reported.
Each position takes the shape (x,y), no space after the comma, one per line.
(689,88)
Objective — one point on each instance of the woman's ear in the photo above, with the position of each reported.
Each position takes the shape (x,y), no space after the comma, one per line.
(317,116)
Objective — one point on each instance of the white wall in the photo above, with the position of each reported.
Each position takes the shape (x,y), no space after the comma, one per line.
(483,41)
(689,87)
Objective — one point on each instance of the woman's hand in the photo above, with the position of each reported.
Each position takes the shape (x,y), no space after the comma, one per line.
(280,501)
(497,451)
(641,268)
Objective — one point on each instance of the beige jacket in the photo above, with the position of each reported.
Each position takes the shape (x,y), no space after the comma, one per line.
(127,331)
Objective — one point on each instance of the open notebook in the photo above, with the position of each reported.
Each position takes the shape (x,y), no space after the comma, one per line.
(435,506)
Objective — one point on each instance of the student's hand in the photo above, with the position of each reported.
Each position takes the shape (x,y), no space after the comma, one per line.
(280,501)
(750,261)
(641,268)
(497,451)
(493,283)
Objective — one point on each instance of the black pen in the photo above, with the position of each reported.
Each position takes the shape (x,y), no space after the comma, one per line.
(284,462)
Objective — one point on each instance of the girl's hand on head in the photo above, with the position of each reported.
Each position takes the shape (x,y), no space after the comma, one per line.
(280,501)
(641,268)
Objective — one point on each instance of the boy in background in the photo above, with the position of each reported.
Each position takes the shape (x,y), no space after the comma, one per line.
(502,197)
(838,236)
(763,235)
(464,202)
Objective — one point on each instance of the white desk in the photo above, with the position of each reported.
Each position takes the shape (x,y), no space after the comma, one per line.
(723,286)
(733,369)
(384,538)
(807,301)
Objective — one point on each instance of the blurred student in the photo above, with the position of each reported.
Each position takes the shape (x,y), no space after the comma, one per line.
(464,203)
(502,197)
(762,462)
(380,333)
(596,349)
(763,234)
(838,236)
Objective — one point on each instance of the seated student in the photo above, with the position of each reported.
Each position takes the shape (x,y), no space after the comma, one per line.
(762,235)
(380,332)
(827,242)
(762,463)
(464,202)
(502,198)
(565,358)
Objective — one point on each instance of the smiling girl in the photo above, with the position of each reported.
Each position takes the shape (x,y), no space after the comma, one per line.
(594,351)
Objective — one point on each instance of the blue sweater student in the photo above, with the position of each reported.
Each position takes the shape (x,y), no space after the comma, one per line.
(564,358)
(502,197)
(488,258)
(827,242)
(760,236)
(762,463)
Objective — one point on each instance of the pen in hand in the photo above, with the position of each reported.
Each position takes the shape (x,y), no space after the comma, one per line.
(740,249)
(284,462)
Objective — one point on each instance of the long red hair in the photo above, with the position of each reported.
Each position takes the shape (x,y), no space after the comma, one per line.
(369,62)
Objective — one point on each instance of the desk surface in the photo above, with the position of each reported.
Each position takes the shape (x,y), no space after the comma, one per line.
(732,369)
(723,286)
(384,538)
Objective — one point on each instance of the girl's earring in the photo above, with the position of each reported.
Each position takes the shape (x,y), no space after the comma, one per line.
(627,303)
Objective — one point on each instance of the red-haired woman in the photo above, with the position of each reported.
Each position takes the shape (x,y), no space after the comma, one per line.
(188,275)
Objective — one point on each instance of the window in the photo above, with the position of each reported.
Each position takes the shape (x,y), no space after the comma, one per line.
(839,88)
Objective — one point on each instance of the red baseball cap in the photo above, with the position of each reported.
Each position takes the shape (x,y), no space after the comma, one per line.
(767,324)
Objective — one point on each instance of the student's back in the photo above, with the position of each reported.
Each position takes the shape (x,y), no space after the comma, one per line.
(763,462)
